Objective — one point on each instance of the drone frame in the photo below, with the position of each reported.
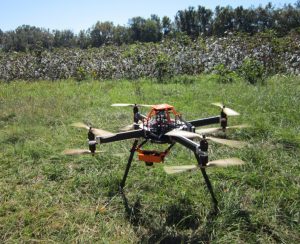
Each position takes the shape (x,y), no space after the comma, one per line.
(151,157)
(158,127)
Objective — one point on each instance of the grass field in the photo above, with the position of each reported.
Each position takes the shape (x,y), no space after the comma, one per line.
(48,197)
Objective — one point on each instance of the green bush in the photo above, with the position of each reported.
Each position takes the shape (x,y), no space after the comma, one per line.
(81,74)
(252,71)
(223,74)
(162,67)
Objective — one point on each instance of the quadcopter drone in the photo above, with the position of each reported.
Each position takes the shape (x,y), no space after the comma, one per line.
(164,125)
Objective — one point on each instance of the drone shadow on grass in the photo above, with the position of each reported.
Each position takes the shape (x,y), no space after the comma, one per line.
(178,219)
(181,224)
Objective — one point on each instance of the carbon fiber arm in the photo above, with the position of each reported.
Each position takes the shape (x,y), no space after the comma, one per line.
(187,143)
(121,136)
(205,121)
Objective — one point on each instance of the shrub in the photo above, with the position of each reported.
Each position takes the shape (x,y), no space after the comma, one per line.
(252,71)
(223,74)
(160,61)
(81,74)
(162,67)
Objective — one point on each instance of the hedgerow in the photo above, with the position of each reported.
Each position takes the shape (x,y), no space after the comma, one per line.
(155,60)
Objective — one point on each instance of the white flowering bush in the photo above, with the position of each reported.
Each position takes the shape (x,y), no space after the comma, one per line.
(154,60)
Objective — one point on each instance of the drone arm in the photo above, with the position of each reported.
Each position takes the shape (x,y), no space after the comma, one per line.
(187,143)
(121,136)
(205,121)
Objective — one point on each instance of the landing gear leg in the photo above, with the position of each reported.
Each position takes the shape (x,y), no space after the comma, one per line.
(132,151)
(208,184)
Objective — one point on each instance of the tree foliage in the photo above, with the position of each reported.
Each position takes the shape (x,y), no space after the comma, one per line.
(102,33)
(65,38)
(145,30)
(27,38)
(193,22)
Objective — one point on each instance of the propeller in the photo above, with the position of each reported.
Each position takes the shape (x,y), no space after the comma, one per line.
(191,135)
(96,132)
(72,152)
(227,162)
(130,105)
(221,163)
(208,130)
(80,125)
(131,127)
(179,169)
(216,129)
(229,143)
(183,133)
(227,111)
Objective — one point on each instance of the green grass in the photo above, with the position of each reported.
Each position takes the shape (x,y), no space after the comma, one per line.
(48,197)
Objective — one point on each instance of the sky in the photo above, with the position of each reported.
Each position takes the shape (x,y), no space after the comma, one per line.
(79,15)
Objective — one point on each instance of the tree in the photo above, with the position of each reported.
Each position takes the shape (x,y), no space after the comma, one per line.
(83,39)
(186,21)
(136,26)
(7,41)
(65,38)
(152,30)
(286,19)
(102,33)
(244,20)
(1,38)
(122,35)
(191,21)
(166,25)
(146,30)
(264,18)
(239,17)
(27,38)
(224,20)
(204,20)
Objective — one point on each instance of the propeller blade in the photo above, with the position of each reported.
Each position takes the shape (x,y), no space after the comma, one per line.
(130,105)
(131,127)
(208,130)
(80,125)
(182,133)
(216,129)
(97,132)
(122,105)
(225,162)
(179,169)
(100,132)
(127,128)
(220,163)
(72,152)
(229,143)
(228,111)
(220,105)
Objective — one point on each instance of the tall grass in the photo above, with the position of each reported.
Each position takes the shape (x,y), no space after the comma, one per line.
(48,197)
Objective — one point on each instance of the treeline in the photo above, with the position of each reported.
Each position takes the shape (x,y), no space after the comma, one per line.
(193,22)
